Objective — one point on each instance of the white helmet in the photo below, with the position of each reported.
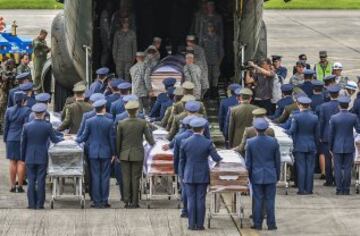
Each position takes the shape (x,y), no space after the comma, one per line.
(351,85)
(337,66)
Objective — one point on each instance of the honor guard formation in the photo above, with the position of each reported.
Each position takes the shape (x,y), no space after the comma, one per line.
(127,130)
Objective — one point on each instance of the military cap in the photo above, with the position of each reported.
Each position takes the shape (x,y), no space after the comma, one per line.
(130,97)
(243,91)
(42,97)
(188,85)
(301,63)
(334,88)
(23,76)
(351,85)
(259,112)
(140,54)
(96,97)
(188,119)
(151,49)
(99,103)
(179,91)
(260,124)
(297,90)
(304,100)
(26,86)
(198,122)
(114,83)
(192,106)
(132,105)
(287,87)
(190,37)
(170,91)
(317,83)
(276,57)
(157,39)
(188,97)
(299,95)
(39,107)
(344,99)
(102,71)
(169,82)
(323,54)
(308,72)
(124,85)
(79,87)
(329,77)
(234,86)
(18,96)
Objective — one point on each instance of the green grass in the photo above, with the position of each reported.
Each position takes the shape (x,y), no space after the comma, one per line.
(30,4)
(313,4)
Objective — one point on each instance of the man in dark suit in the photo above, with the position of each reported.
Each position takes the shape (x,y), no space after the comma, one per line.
(341,144)
(263,165)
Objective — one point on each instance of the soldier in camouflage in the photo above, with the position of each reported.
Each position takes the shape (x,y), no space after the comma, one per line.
(200,60)
(24,65)
(214,53)
(105,34)
(198,18)
(192,73)
(40,56)
(157,44)
(124,50)
(211,17)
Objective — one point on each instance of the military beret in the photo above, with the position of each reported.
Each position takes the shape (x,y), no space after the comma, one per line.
(132,105)
(102,71)
(297,90)
(140,54)
(188,97)
(260,124)
(344,99)
(39,107)
(23,76)
(170,91)
(187,119)
(190,37)
(317,83)
(96,97)
(323,54)
(329,77)
(18,96)
(192,106)
(301,63)
(276,57)
(198,122)
(243,91)
(309,72)
(168,82)
(157,39)
(351,85)
(304,100)
(130,97)
(334,88)
(114,83)
(287,87)
(259,112)
(234,86)
(179,91)
(26,86)
(79,87)
(188,85)
(99,103)
(124,85)
(42,97)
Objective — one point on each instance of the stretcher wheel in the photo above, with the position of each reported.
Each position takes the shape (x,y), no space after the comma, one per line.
(169,198)
(82,204)
(52,204)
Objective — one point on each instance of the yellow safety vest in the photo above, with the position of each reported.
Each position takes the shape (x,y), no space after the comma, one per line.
(321,73)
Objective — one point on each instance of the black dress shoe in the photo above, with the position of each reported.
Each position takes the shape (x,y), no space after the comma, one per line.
(191,228)
(184,215)
(135,206)
(13,190)
(107,205)
(301,193)
(326,184)
(322,177)
(200,228)
(25,182)
(20,189)
(256,227)
(274,227)
(127,206)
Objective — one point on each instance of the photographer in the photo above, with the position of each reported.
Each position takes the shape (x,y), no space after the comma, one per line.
(263,77)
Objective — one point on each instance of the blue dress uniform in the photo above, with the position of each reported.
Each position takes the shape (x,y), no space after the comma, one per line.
(177,145)
(225,104)
(282,70)
(26,88)
(99,86)
(283,102)
(34,150)
(113,96)
(326,110)
(287,124)
(341,143)
(317,98)
(356,106)
(118,106)
(263,165)
(42,98)
(21,78)
(15,117)
(162,97)
(304,130)
(100,136)
(194,170)
(307,86)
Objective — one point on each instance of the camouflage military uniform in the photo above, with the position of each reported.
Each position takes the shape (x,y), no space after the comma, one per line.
(124,51)
(192,73)
(140,87)
(105,37)
(200,60)
(22,68)
(214,54)
(6,83)
(40,56)
(216,20)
